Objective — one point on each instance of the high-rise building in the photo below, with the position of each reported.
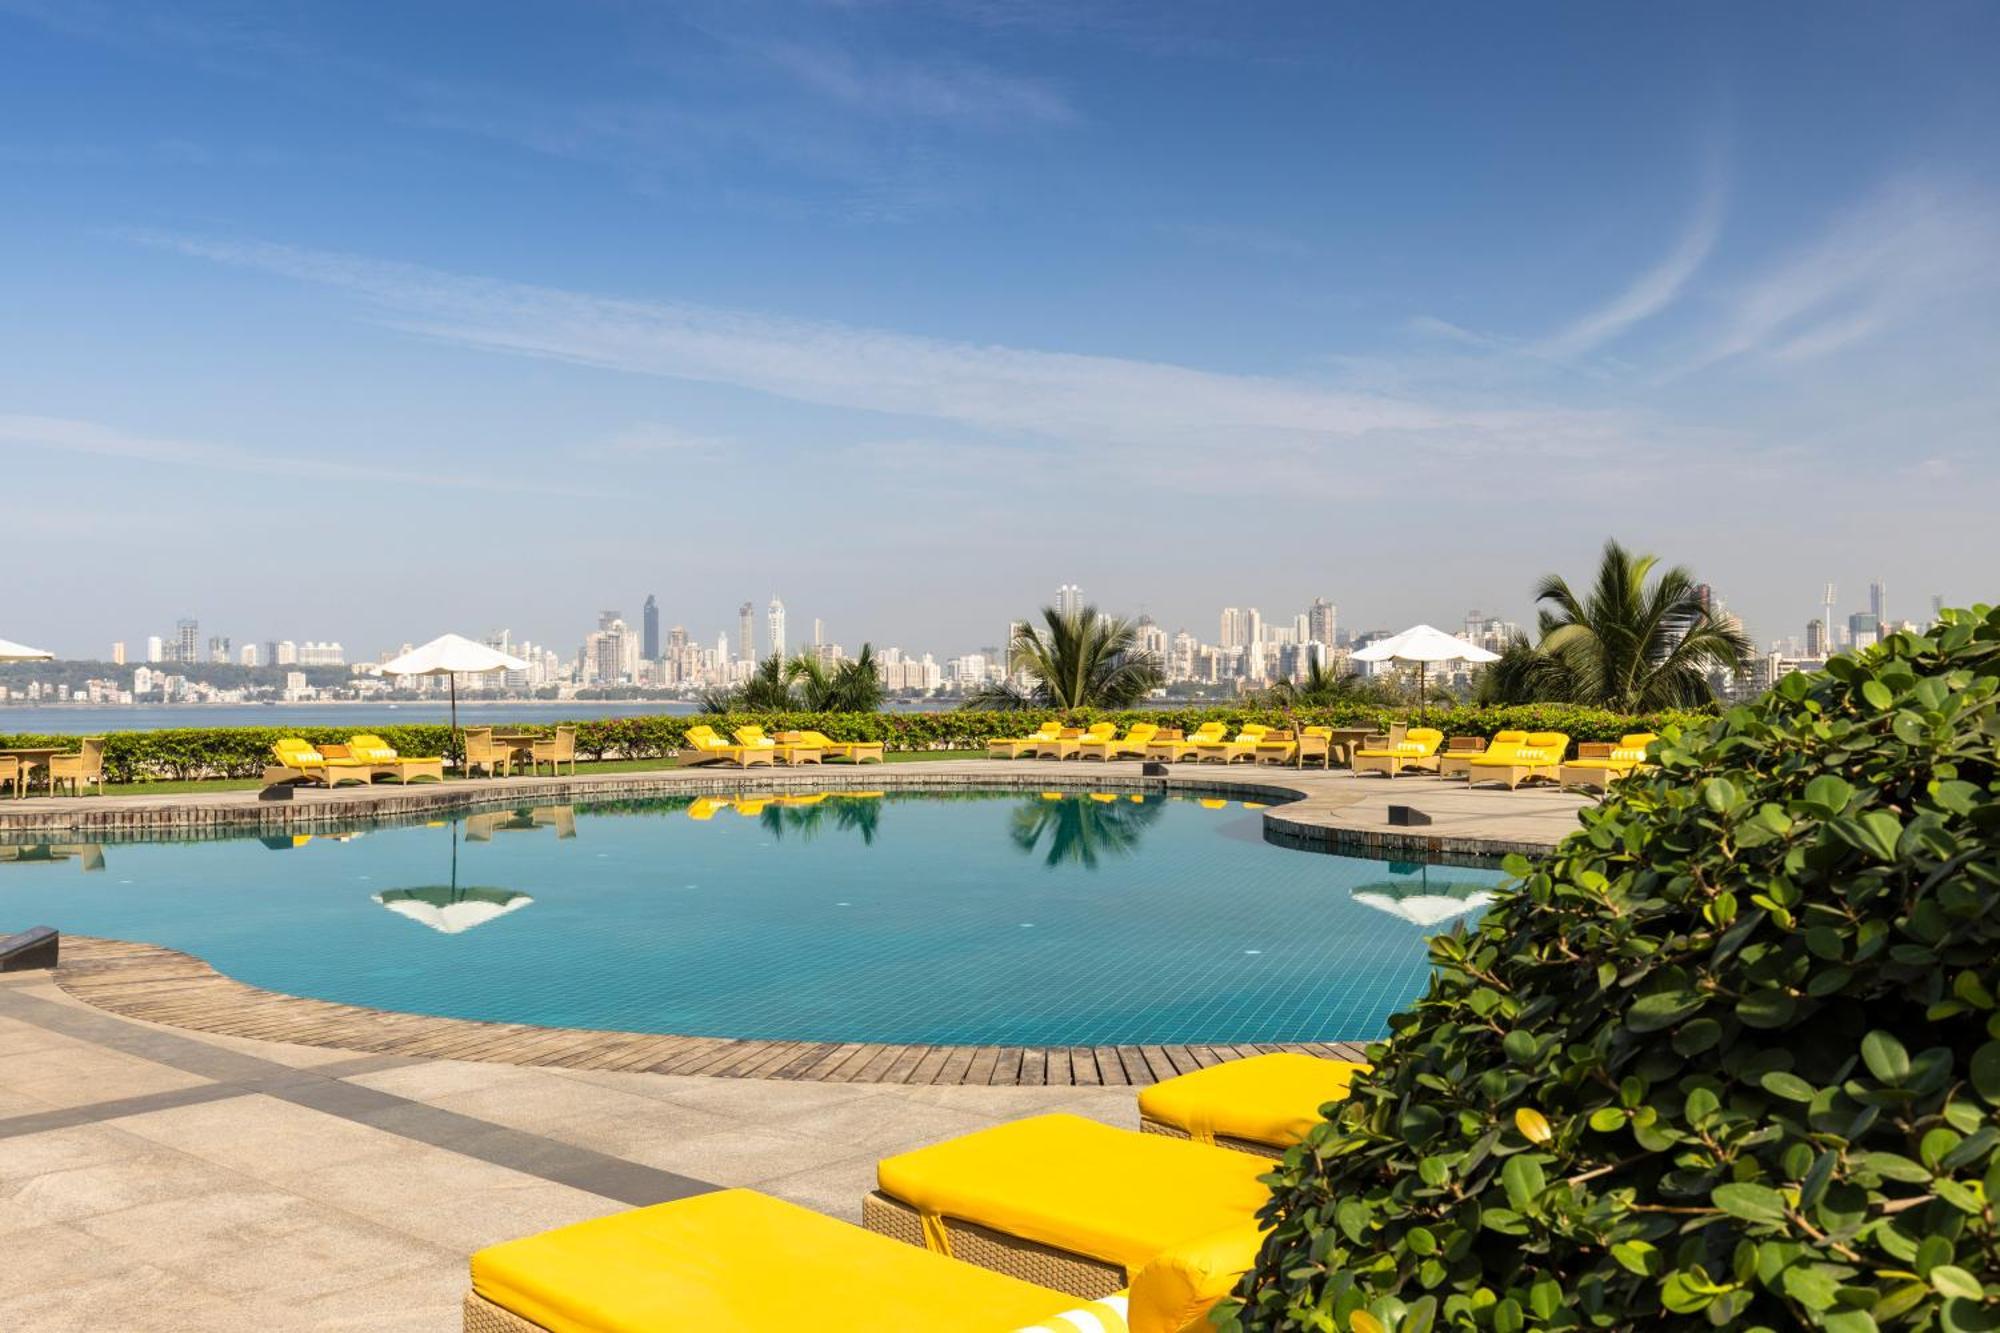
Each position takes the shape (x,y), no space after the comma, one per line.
(1069,599)
(218,648)
(187,640)
(1011,654)
(1232,629)
(1863,629)
(649,620)
(284,653)
(1937,605)
(1816,644)
(775,616)
(1253,627)
(746,633)
(248,655)
(118,653)
(156,651)
(819,632)
(1878,596)
(1321,618)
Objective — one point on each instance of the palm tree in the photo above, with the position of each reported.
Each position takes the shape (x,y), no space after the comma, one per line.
(767,690)
(857,684)
(814,683)
(1325,685)
(1080,660)
(1632,645)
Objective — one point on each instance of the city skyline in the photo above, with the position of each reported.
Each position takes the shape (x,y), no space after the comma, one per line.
(757,636)
(967,299)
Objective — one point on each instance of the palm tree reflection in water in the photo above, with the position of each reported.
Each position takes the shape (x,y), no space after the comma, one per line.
(808,816)
(1081,829)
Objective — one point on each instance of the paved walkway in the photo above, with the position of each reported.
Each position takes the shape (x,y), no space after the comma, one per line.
(1335,808)
(152,1179)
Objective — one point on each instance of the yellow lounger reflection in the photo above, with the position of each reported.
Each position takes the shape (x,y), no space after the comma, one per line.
(706,807)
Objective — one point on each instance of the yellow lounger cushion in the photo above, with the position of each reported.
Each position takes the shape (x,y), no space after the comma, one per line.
(737,1260)
(1270,1099)
(1175,1291)
(1081,1186)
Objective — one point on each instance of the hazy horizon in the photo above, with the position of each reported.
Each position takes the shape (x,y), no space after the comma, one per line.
(370,322)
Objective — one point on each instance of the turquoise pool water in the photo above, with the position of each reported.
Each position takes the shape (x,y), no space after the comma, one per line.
(991,918)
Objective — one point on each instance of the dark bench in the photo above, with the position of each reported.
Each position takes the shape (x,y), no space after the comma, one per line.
(33,948)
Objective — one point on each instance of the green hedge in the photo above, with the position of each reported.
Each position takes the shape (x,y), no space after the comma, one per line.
(187,753)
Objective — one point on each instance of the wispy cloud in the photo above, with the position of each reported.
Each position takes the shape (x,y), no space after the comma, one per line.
(1913,245)
(1653,290)
(69,435)
(942,90)
(1086,399)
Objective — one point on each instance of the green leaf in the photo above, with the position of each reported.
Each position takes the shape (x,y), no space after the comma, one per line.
(1873,831)
(1828,795)
(1879,696)
(1885,1057)
(1637,1256)
(1766,1009)
(1789,1086)
(1810,1287)
(1720,795)
(1522,1177)
(1650,1013)
(1985,1072)
(1951,1280)
(1752,1203)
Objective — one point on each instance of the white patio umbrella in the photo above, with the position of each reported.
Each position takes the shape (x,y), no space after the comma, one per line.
(450,655)
(20,652)
(1423,645)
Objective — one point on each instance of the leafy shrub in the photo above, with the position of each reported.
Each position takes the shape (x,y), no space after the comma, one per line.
(1730,1057)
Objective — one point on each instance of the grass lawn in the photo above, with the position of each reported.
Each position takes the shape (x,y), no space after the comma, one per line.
(583,766)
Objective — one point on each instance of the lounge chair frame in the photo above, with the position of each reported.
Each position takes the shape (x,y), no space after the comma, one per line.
(1148,1125)
(1044,1265)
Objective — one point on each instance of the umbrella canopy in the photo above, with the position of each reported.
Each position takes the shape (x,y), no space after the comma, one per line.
(1423,645)
(20,652)
(452,910)
(449,655)
(1420,902)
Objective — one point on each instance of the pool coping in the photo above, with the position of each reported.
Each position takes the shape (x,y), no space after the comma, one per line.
(1316,813)
(159,985)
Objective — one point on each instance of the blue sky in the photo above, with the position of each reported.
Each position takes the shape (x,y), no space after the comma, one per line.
(368,320)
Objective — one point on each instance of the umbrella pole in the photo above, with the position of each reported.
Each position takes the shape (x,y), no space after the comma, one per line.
(454,736)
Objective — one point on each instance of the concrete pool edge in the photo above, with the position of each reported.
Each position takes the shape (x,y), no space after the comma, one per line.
(1321,810)
(153,984)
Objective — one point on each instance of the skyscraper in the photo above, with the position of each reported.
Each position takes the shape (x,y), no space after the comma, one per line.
(1232,628)
(746,632)
(1878,594)
(649,629)
(118,653)
(776,617)
(1320,621)
(1069,599)
(187,640)
(1816,645)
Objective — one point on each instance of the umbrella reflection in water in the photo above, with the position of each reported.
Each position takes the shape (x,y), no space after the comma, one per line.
(1411,895)
(448,908)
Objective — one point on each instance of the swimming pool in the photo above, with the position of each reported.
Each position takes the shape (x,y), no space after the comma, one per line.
(961,917)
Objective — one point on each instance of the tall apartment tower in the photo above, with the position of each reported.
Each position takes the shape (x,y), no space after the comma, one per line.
(1816,644)
(1231,628)
(1320,621)
(649,629)
(1253,627)
(776,618)
(1069,599)
(118,653)
(1878,595)
(187,640)
(746,632)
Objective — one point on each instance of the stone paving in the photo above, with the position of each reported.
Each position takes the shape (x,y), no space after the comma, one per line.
(156,1178)
(152,1179)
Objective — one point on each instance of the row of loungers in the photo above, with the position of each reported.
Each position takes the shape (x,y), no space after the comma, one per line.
(1049,1223)
(1512,758)
(362,759)
(751,747)
(1210,742)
